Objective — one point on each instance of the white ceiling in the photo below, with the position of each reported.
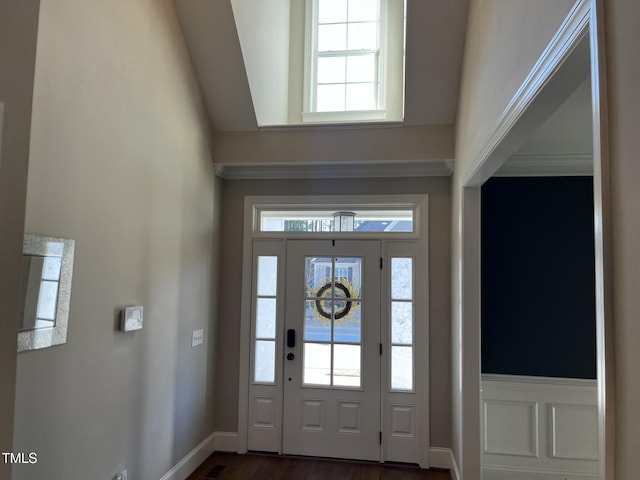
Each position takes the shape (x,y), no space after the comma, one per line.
(435,43)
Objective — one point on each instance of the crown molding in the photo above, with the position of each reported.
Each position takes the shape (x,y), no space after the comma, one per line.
(545,165)
(399,168)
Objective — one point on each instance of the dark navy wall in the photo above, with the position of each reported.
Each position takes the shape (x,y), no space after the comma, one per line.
(538,277)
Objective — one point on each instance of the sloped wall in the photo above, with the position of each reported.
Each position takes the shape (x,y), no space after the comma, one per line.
(18,30)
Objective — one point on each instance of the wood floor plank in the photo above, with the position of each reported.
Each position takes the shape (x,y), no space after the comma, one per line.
(230,466)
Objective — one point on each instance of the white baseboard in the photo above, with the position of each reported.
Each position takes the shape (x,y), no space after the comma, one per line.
(489,473)
(192,460)
(228,442)
(443,458)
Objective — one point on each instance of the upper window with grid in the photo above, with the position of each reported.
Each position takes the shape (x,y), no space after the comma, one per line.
(345,57)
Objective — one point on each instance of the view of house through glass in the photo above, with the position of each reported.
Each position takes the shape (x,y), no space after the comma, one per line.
(333,321)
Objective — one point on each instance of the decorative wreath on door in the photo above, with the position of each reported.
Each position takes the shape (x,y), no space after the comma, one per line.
(344,308)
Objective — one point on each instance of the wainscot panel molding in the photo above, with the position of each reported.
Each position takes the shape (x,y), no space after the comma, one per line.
(539,428)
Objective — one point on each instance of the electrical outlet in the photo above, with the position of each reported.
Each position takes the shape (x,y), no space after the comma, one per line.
(122,475)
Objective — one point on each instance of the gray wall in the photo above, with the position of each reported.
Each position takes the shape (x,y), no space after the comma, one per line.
(18,31)
(226,404)
(623,77)
(120,162)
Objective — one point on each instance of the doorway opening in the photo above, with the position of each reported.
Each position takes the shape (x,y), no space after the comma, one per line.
(335,328)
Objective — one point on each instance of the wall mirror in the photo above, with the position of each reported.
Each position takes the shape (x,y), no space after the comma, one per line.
(45,291)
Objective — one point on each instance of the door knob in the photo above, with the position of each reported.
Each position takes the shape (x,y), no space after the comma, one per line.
(290,356)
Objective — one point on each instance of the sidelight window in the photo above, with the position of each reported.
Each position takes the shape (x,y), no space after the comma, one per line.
(402,324)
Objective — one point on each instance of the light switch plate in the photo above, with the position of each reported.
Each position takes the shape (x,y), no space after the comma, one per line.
(197,337)
(132,318)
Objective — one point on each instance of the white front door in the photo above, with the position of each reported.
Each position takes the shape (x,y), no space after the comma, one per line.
(339,356)
(332,349)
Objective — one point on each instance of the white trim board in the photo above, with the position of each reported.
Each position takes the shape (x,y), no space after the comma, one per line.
(192,460)
(529,107)
(395,169)
(1,129)
(544,165)
(490,473)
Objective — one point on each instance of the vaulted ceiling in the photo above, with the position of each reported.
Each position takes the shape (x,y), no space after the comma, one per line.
(435,34)
(423,144)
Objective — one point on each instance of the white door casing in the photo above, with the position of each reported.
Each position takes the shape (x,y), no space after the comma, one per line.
(268,422)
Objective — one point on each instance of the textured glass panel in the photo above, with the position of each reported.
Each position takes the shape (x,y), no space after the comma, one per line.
(346,365)
(331,69)
(266,318)
(51,268)
(361,68)
(267,276)
(317,328)
(402,278)
(265,361)
(401,368)
(318,273)
(317,364)
(362,36)
(347,327)
(47,300)
(402,323)
(332,11)
(332,37)
(361,96)
(363,10)
(330,98)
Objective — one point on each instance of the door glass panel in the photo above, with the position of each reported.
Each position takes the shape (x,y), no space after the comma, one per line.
(317,364)
(401,278)
(349,328)
(401,368)
(266,318)
(318,274)
(346,365)
(265,364)
(267,275)
(316,328)
(333,321)
(402,323)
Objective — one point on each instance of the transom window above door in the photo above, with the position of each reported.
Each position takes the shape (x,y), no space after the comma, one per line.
(340,220)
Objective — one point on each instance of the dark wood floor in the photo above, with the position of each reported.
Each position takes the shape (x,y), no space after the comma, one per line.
(230,466)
